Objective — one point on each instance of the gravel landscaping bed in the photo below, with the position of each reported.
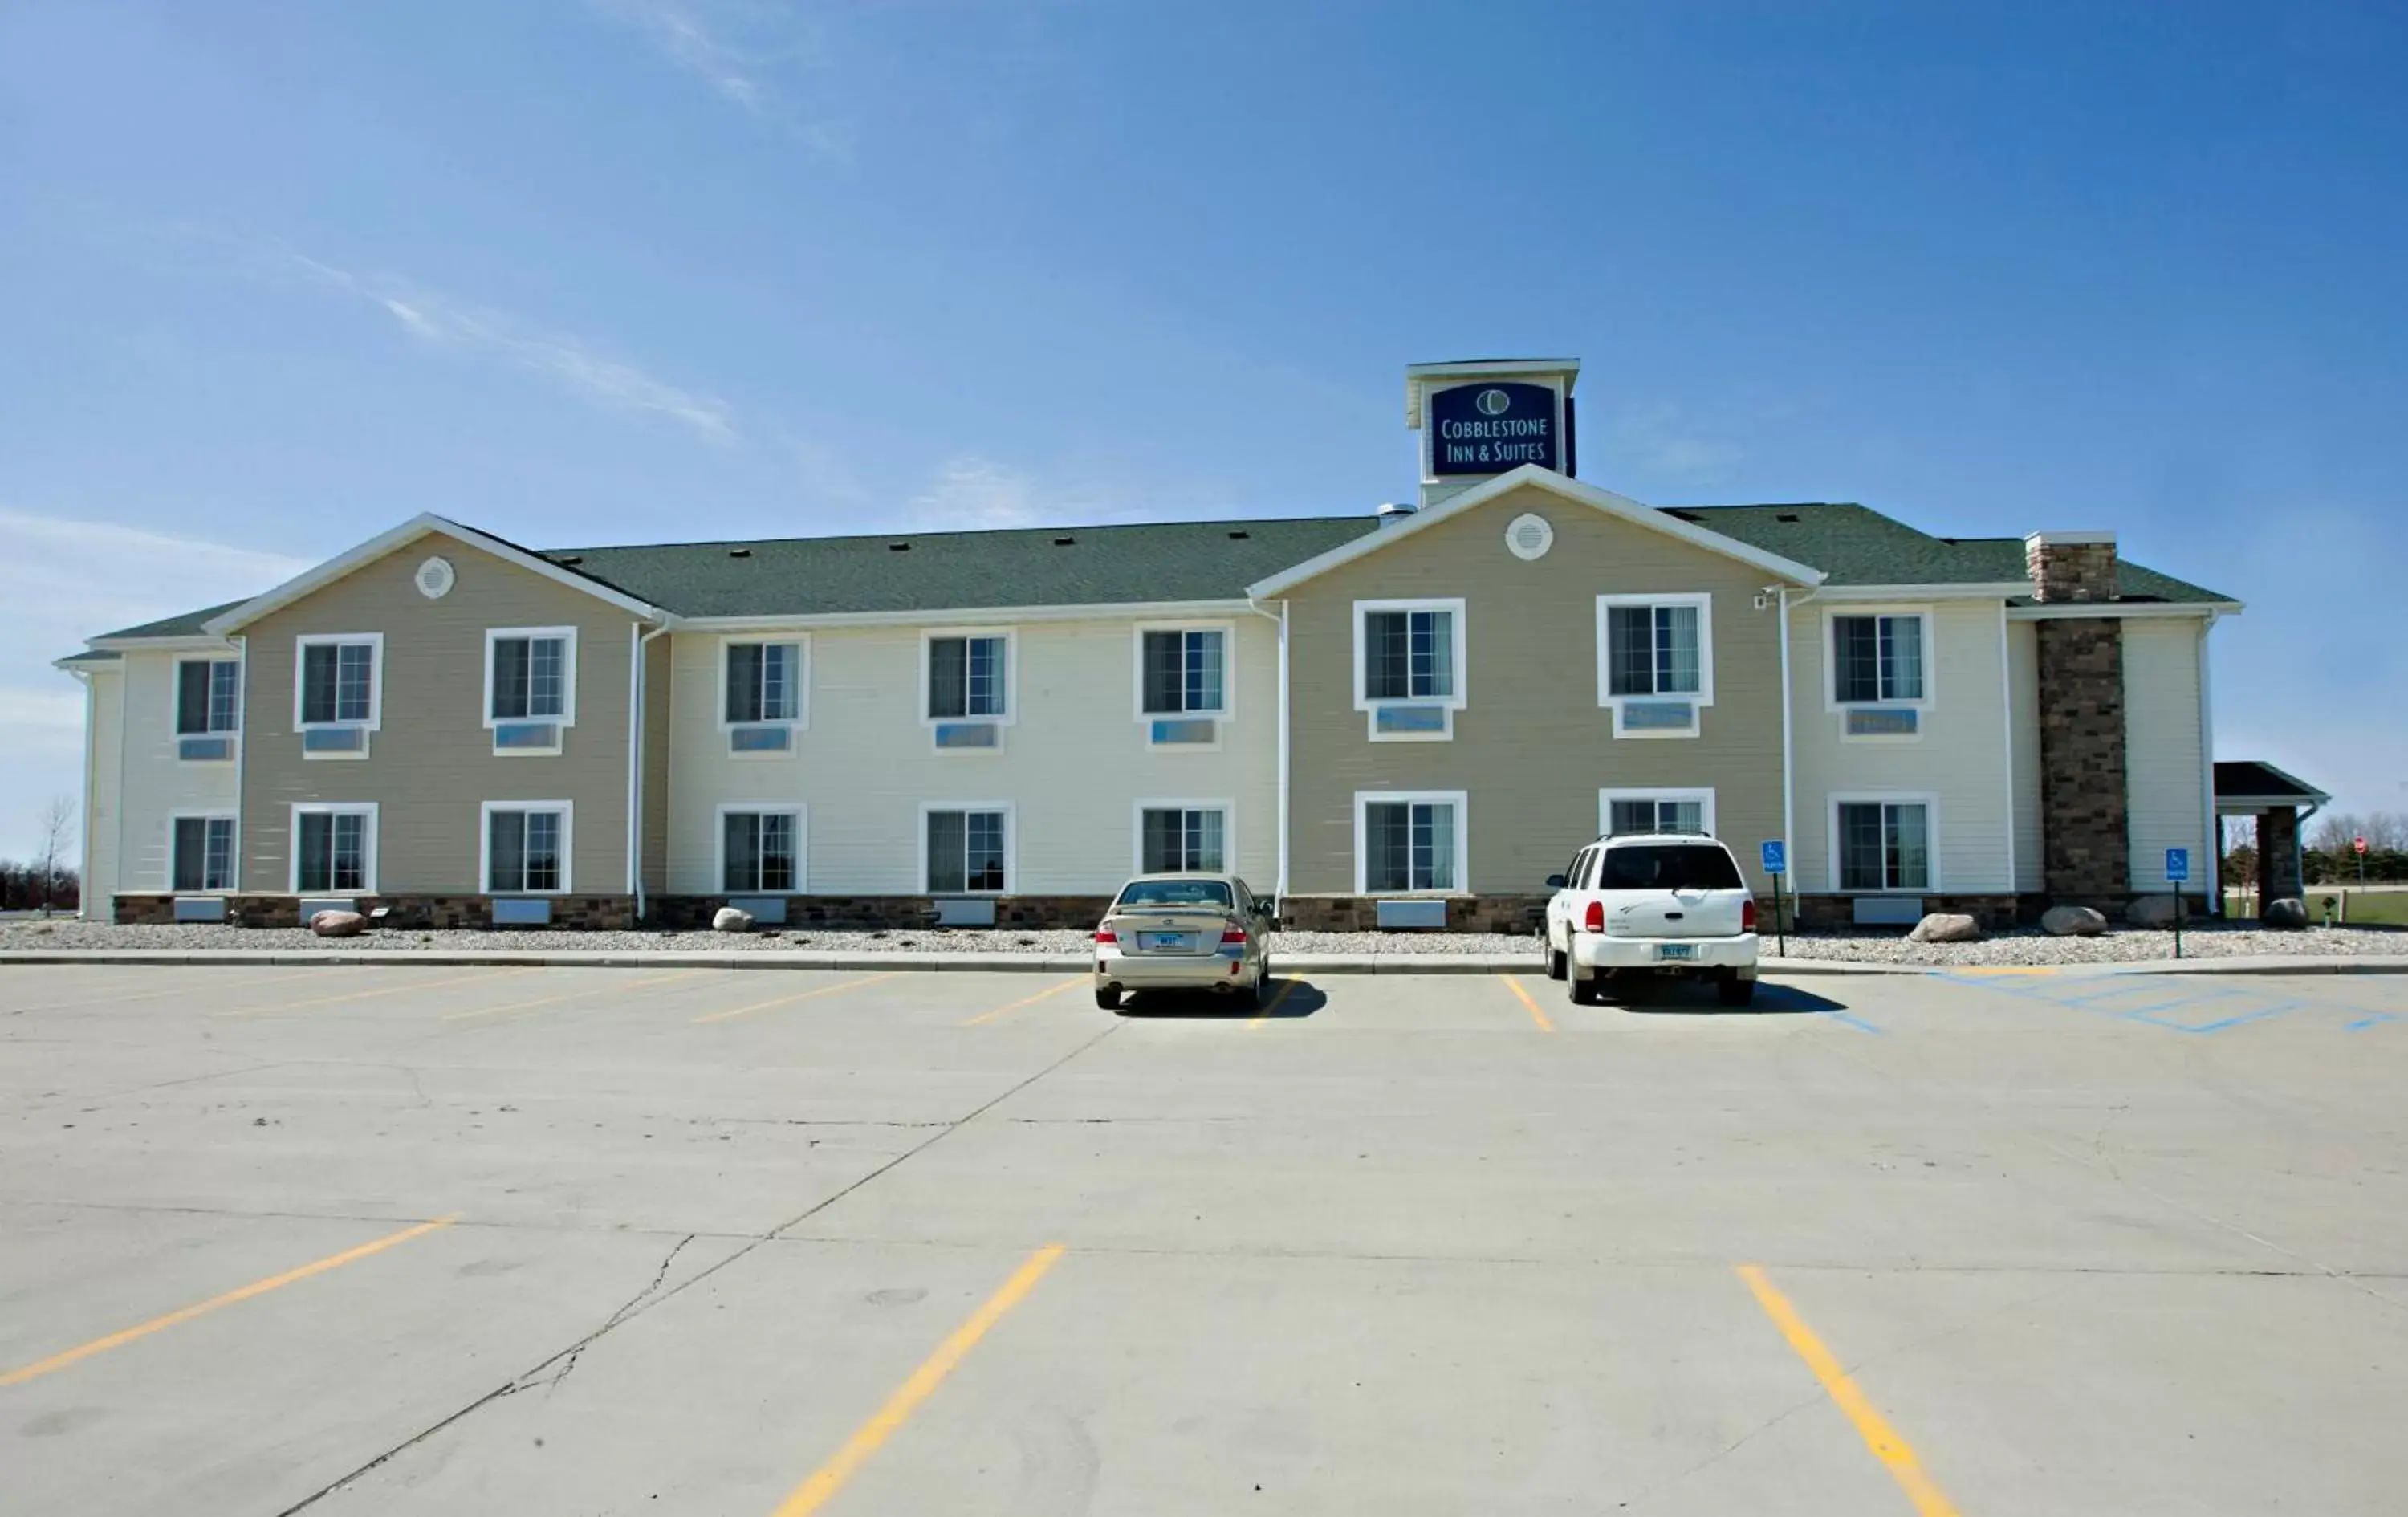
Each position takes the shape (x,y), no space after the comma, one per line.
(2020,947)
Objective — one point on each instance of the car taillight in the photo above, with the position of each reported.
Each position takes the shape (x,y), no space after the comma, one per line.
(1594,921)
(1233,935)
(1105,935)
(1747,916)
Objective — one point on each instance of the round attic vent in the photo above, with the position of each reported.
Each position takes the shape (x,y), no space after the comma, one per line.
(434,579)
(1528,536)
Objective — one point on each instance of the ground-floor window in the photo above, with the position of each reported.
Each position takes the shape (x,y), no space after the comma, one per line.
(1410,842)
(967,849)
(1172,838)
(203,853)
(334,848)
(1884,845)
(760,852)
(526,848)
(1628,811)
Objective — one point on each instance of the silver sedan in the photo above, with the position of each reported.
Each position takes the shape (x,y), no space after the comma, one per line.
(1184,932)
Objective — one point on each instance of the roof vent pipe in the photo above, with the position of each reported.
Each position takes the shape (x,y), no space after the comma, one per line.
(1391,512)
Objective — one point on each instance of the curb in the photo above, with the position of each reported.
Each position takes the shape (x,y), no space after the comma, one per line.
(1327,964)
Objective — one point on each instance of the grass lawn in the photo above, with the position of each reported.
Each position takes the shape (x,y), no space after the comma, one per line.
(2385,907)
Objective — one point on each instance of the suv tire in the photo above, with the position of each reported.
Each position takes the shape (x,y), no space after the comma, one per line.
(1582,992)
(1558,964)
(1109,999)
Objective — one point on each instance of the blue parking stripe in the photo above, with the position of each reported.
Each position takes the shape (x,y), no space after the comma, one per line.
(2364,1022)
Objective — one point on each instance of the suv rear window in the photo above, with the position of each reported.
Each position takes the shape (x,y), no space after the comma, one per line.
(1668,867)
(1175,893)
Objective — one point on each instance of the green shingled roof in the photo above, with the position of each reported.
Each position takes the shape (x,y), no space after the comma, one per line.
(1169,561)
(1190,561)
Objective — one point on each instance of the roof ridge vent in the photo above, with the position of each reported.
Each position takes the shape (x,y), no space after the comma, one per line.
(1064,542)
(898,547)
(739,552)
(1393,512)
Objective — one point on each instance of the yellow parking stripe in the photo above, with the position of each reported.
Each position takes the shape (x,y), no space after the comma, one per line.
(1273,1005)
(571,996)
(790,1000)
(152,995)
(369,994)
(829,1478)
(259,1287)
(1871,1425)
(1026,1000)
(1536,1015)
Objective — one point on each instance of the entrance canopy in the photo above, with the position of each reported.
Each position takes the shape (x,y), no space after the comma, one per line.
(2246,786)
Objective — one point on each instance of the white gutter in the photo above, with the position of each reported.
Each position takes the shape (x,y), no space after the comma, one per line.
(976,616)
(83,885)
(1788,778)
(2146,610)
(241,753)
(638,641)
(2209,818)
(2007,731)
(1279,890)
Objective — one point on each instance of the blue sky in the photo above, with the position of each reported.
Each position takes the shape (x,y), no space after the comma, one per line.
(274,276)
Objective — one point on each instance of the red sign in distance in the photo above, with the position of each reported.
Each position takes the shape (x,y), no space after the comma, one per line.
(2361,843)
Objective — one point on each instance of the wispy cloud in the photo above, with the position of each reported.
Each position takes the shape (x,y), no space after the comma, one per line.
(744,52)
(1665,442)
(970,492)
(442,321)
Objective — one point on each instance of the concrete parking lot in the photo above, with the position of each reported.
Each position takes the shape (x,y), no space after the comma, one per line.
(536,1241)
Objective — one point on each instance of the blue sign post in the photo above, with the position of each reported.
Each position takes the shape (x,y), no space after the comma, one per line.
(2177,870)
(1776,864)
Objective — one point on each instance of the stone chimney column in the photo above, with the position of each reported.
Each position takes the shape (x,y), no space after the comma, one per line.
(2086,818)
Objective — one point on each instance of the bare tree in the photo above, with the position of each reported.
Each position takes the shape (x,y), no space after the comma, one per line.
(57,830)
(2335,831)
(2387,832)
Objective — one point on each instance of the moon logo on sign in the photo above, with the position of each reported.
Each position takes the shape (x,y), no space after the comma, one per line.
(1495,403)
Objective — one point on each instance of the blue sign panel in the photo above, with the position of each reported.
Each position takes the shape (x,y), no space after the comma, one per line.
(1491,428)
(1776,857)
(2177,864)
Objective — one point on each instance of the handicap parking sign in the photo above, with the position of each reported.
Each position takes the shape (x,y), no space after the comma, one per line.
(2177,864)
(1776,857)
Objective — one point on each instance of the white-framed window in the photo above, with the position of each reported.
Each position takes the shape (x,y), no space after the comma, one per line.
(334,846)
(966,678)
(200,857)
(209,708)
(1407,843)
(337,692)
(1881,680)
(1622,812)
(1885,841)
(1655,662)
(1175,836)
(966,848)
(525,847)
(761,849)
(530,688)
(1410,674)
(763,694)
(1183,671)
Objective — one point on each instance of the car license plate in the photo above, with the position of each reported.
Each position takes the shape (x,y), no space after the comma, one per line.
(1163,942)
(1676,950)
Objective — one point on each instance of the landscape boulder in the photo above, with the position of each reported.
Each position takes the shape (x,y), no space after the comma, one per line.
(338,924)
(731,919)
(2150,911)
(2072,922)
(1945,927)
(2289,912)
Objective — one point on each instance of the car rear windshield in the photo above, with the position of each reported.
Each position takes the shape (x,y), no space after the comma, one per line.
(1668,867)
(1176,893)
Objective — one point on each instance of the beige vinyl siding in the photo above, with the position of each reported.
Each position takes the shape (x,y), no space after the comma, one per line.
(432,763)
(1531,747)
(153,785)
(2023,650)
(659,753)
(2162,768)
(105,796)
(1960,758)
(1072,767)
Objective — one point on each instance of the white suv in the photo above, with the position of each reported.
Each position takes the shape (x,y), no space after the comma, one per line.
(1663,903)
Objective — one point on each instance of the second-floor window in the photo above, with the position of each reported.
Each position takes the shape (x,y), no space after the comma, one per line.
(966,677)
(1408,655)
(764,682)
(1877,658)
(530,676)
(208,696)
(339,682)
(1653,651)
(1184,673)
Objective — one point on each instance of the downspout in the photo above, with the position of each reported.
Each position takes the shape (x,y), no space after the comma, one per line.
(83,883)
(241,749)
(2007,732)
(2214,837)
(1278,892)
(1788,756)
(638,641)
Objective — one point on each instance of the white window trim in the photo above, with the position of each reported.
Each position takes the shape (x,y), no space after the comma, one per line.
(1011,716)
(1929,800)
(1605,799)
(1831,701)
(1011,845)
(801,719)
(567,810)
(1704,602)
(1455,701)
(567,717)
(375,686)
(1228,708)
(802,815)
(1461,800)
(1228,810)
(175,711)
(233,860)
(297,810)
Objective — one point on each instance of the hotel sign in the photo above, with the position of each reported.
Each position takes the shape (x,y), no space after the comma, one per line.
(1490,429)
